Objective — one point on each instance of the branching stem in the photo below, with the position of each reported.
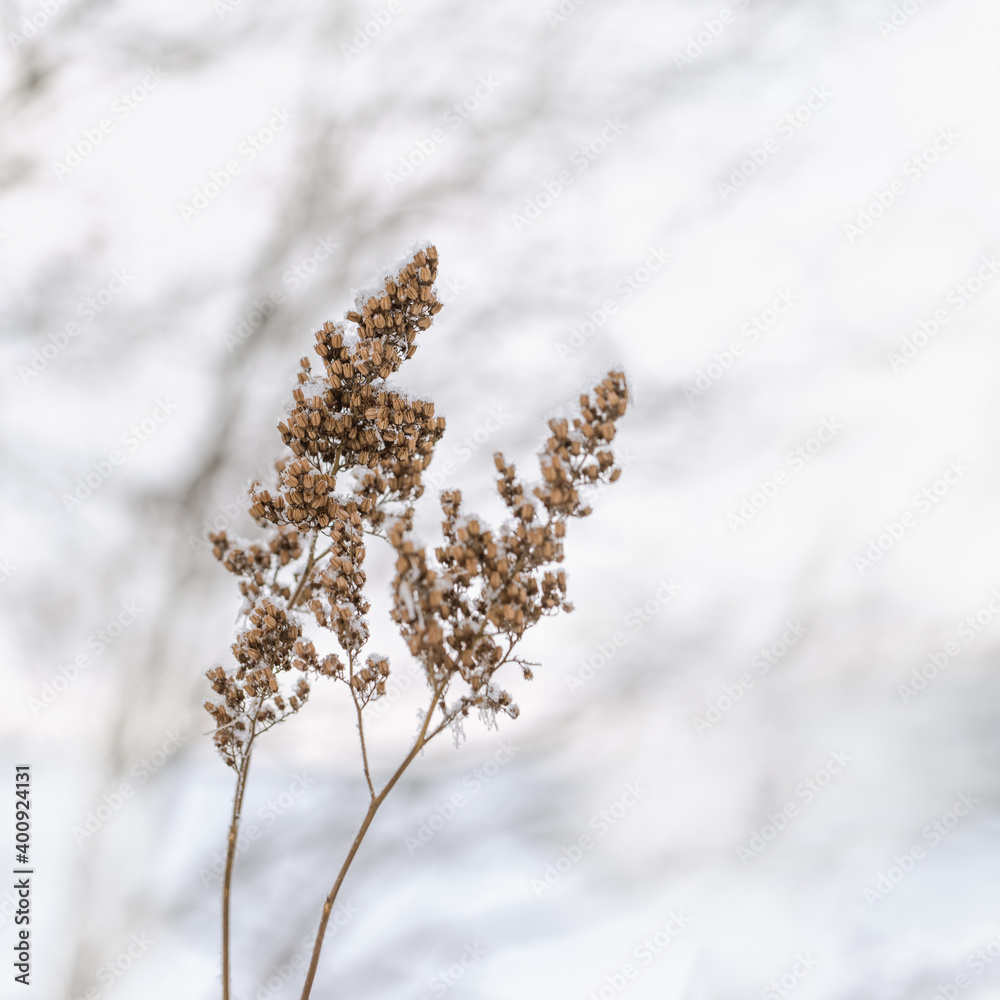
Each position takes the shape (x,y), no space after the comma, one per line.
(418,744)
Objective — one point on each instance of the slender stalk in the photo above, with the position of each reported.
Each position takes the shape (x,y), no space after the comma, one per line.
(241,784)
(305,573)
(361,731)
(234,828)
(377,801)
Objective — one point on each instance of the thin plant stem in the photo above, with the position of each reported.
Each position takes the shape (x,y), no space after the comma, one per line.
(305,573)
(420,742)
(234,827)
(361,731)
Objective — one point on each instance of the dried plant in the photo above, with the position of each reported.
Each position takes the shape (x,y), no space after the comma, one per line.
(357,448)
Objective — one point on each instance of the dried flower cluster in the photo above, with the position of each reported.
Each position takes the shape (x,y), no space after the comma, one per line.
(464,617)
(357,448)
(349,421)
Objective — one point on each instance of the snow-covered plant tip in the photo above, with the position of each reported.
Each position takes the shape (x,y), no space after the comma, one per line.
(356,450)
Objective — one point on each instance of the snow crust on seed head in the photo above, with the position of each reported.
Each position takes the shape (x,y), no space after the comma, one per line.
(392,267)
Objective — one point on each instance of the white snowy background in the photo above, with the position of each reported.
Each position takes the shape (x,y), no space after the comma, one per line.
(657,160)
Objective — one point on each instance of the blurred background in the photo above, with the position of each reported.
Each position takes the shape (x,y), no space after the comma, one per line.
(774,712)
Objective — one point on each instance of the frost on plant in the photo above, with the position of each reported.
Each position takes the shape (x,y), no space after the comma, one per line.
(356,448)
